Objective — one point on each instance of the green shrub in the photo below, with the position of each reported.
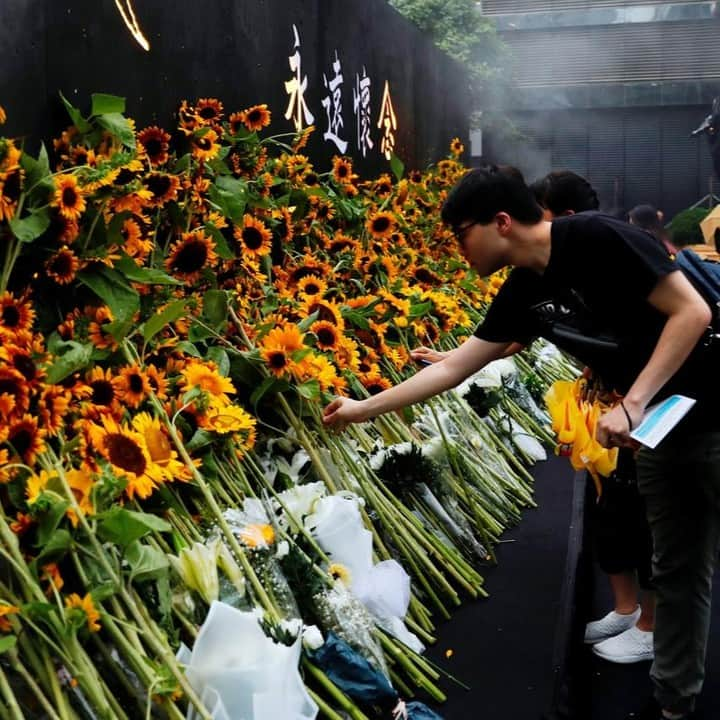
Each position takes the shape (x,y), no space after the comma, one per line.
(685,227)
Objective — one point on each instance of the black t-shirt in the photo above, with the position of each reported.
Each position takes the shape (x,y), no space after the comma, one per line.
(591,301)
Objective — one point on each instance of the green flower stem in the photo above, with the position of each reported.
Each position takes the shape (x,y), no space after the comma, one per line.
(339,697)
(325,709)
(414,627)
(36,690)
(14,711)
(421,614)
(399,684)
(306,443)
(154,636)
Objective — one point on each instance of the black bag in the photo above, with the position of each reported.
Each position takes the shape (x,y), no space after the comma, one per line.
(703,274)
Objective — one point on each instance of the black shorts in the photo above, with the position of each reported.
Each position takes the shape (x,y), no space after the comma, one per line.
(621,534)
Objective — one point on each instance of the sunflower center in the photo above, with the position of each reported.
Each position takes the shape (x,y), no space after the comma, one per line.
(326,336)
(69,197)
(124,177)
(12,186)
(191,257)
(254,116)
(207,113)
(136,384)
(154,147)
(25,366)
(61,264)
(374,388)
(252,238)
(343,171)
(277,360)
(203,143)
(21,440)
(158,184)
(311,289)
(123,452)
(103,393)
(10,316)
(8,386)
(381,224)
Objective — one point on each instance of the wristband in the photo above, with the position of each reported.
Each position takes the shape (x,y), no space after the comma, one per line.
(627,415)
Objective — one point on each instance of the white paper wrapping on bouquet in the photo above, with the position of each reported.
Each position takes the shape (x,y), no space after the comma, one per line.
(242,674)
(384,588)
(527,443)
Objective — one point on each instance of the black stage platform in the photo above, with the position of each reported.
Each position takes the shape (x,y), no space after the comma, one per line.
(521,650)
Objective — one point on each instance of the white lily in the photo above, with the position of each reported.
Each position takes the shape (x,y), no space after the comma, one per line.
(197,566)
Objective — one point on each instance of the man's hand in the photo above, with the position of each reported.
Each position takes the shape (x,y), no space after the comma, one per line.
(613,428)
(342,411)
(427,356)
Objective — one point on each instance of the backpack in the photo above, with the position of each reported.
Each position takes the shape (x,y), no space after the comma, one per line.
(705,277)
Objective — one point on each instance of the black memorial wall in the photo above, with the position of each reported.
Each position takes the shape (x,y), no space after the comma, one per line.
(336,56)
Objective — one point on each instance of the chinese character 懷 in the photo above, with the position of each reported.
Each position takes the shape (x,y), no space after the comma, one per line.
(361,107)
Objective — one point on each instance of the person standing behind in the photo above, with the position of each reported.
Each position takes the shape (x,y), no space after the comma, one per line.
(640,325)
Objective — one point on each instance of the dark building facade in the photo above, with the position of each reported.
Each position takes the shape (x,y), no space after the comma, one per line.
(612,90)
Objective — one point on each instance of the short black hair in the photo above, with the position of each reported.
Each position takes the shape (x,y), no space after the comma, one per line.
(646,217)
(485,191)
(561,191)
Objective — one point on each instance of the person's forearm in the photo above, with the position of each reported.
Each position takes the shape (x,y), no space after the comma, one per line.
(679,336)
(429,381)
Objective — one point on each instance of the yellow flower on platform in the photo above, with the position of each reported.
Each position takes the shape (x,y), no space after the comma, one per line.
(68,197)
(87,606)
(257,535)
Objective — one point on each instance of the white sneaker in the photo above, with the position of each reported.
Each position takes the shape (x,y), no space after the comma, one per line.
(634,645)
(611,625)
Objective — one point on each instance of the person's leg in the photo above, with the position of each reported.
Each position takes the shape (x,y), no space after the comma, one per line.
(625,592)
(646,621)
(680,482)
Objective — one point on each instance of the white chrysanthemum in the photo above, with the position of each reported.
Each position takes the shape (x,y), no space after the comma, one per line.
(312,637)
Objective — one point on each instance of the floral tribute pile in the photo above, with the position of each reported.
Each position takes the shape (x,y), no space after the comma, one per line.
(175,309)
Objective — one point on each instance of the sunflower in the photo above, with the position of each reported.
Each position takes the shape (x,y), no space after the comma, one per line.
(319,368)
(254,238)
(16,316)
(327,334)
(312,286)
(162,186)
(284,223)
(68,197)
(256,117)
(209,110)
(22,523)
(205,375)
(63,229)
(190,255)
(127,452)
(224,418)
(456,147)
(160,448)
(205,145)
(131,386)
(301,139)
(187,117)
(11,182)
(53,406)
(134,244)
(326,309)
(51,575)
(381,225)
(156,143)
(36,484)
(346,354)
(375,383)
(98,333)
(81,483)
(14,392)
(7,609)
(85,605)
(62,266)
(25,439)
(157,381)
(342,170)
(103,396)
(236,122)
(278,346)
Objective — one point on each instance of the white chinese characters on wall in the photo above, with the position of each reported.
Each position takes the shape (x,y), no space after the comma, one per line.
(335,130)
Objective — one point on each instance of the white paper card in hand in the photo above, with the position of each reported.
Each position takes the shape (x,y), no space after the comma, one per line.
(660,419)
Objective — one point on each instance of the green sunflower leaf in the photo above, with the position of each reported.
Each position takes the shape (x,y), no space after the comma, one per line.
(55,547)
(103,104)
(397,166)
(50,521)
(146,563)
(124,527)
(269,385)
(78,120)
(31,227)
(221,246)
(215,307)
(7,643)
(112,288)
(157,322)
(310,390)
(152,276)
(220,358)
(69,357)
(119,126)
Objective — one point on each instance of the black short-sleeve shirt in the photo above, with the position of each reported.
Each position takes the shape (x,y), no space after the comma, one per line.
(591,301)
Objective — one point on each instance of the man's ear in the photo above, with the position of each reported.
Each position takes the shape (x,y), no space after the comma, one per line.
(504,222)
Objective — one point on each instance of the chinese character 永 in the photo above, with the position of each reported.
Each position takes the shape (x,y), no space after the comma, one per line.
(297,107)
(333,106)
(387,123)
(361,107)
